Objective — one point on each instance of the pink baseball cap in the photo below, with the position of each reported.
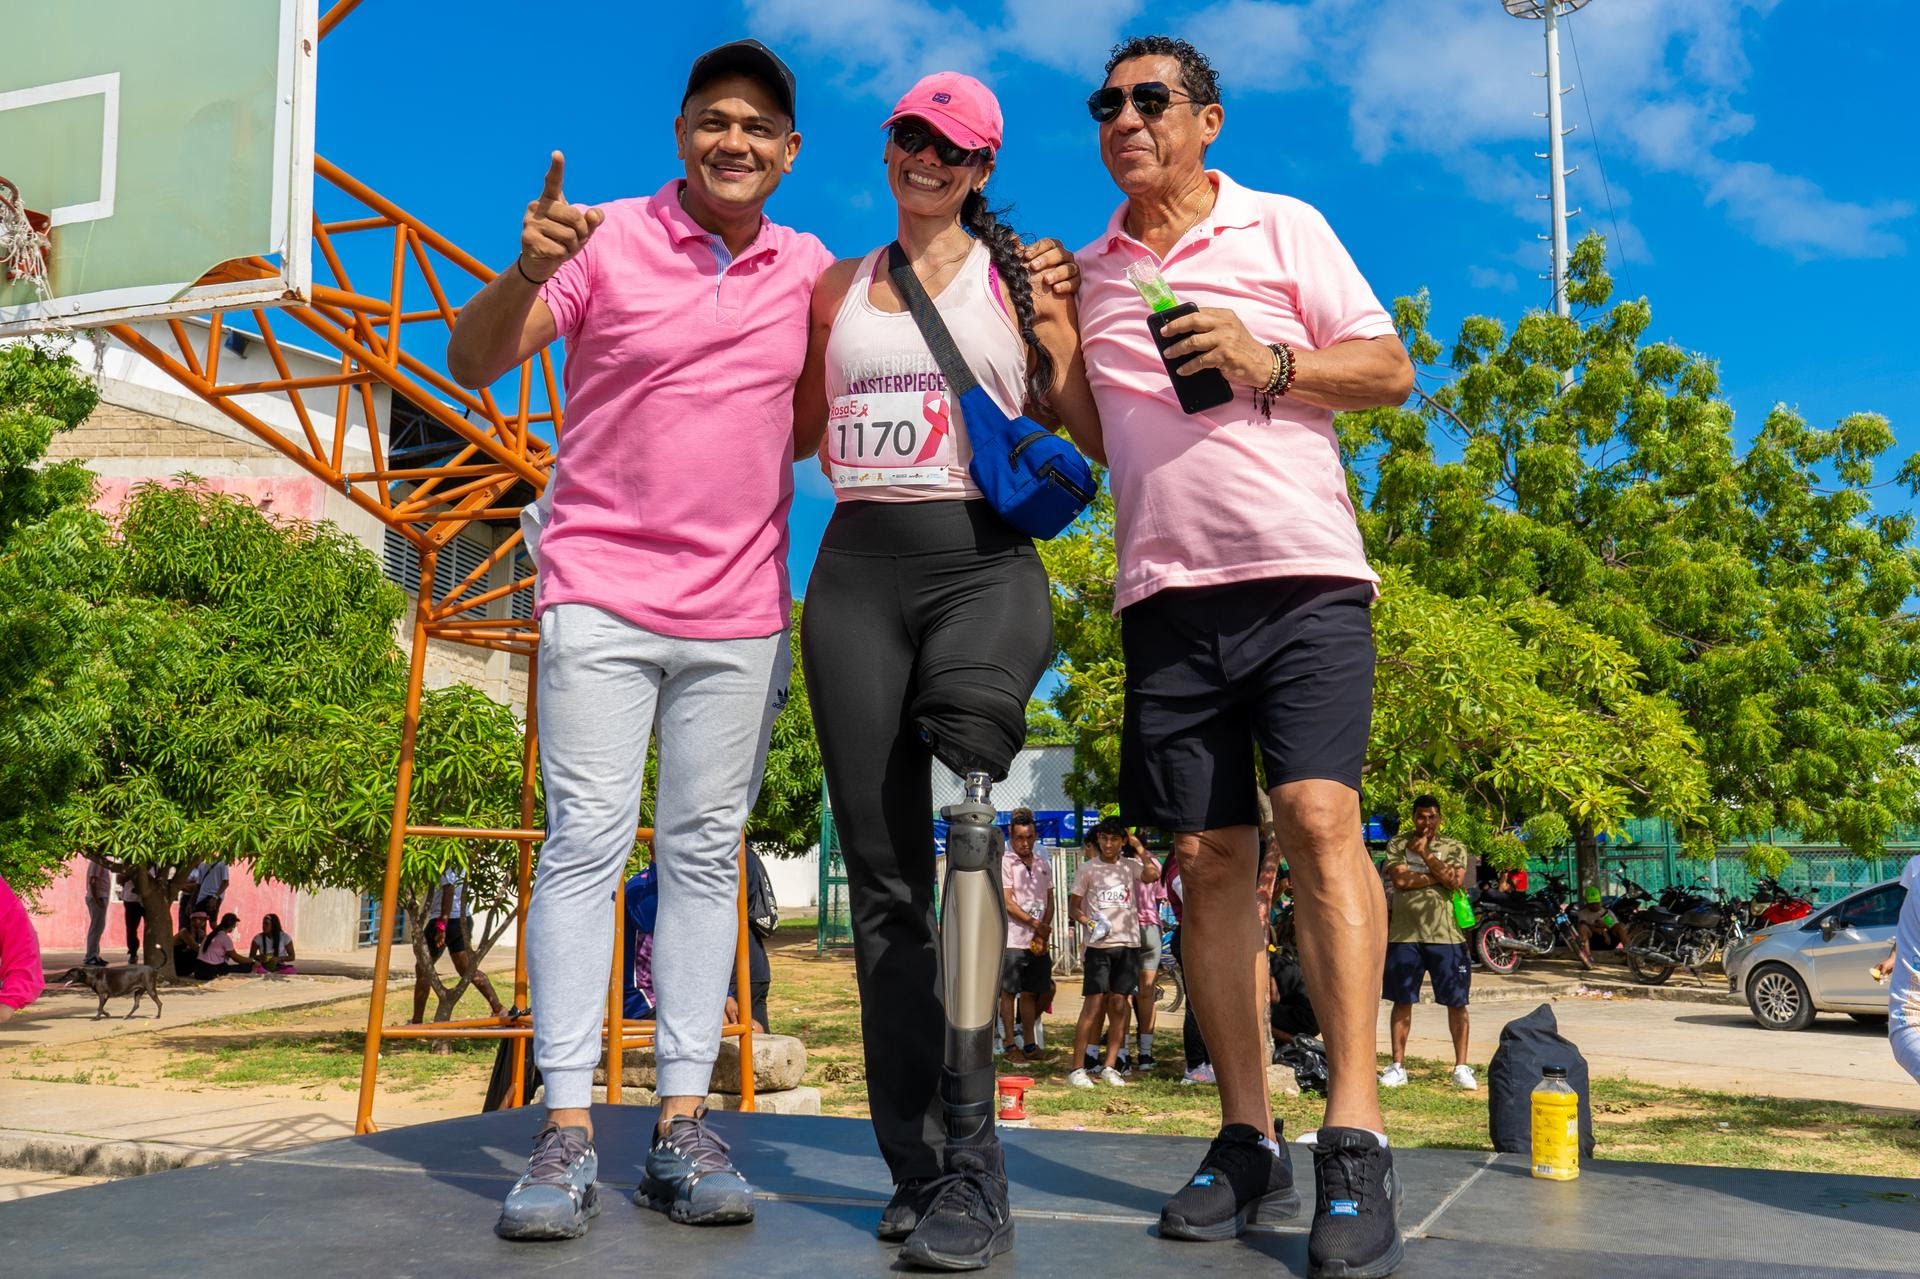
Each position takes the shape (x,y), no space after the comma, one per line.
(962,108)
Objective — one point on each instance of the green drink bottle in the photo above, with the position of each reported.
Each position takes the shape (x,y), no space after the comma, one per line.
(1197,392)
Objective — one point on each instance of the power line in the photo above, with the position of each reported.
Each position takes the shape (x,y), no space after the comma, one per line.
(1619,244)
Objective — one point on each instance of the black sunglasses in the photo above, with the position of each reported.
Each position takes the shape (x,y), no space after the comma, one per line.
(913,137)
(1150,98)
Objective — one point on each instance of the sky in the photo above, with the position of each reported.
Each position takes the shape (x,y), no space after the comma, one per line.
(1751,162)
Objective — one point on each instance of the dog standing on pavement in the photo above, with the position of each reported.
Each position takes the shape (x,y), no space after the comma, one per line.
(111,983)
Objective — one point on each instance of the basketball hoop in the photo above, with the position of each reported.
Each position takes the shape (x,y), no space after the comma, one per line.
(26,240)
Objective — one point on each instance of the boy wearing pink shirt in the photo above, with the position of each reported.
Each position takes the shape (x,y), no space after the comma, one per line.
(1243,592)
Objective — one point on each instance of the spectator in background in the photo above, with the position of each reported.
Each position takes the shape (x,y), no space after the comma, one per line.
(187,943)
(99,893)
(450,929)
(190,895)
(1148,896)
(1595,921)
(1423,940)
(1103,899)
(1199,1068)
(21,980)
(212,891)
(763,917)
(272,948)
(642,901)
(217,953)
(132,911)
(1026,967)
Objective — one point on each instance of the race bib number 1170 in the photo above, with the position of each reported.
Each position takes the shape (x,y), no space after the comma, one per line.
(899,438)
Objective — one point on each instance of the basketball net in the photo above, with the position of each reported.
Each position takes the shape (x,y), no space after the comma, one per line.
(23,247)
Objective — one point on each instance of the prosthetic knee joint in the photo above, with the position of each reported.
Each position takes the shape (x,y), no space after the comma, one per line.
(973,932)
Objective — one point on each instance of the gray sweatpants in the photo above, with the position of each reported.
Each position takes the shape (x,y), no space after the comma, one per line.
(603,680)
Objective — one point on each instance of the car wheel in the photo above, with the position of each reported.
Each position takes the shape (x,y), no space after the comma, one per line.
(1779,999)
(1870,1019)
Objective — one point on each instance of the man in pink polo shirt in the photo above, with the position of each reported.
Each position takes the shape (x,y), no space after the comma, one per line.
(1243,595)
(663,591)
(1026,969)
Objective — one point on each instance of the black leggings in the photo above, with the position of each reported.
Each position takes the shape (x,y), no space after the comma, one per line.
(925,628)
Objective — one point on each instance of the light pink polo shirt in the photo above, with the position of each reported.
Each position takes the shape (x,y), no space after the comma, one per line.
(1225,496)
(676,465)
(1031,886)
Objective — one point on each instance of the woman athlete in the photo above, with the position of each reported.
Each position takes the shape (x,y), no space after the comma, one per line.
(925,629)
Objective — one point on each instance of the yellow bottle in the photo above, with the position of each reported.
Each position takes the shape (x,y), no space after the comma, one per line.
(1556,1127)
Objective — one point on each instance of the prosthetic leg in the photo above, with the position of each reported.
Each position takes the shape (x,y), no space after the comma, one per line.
(969,1222)
(973,931)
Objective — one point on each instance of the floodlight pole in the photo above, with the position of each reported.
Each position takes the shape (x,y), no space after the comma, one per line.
(1556,160)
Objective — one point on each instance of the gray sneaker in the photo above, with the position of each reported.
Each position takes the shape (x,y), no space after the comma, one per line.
(556,1197)
(690,1178)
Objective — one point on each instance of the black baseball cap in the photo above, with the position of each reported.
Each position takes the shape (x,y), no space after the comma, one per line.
(749,58)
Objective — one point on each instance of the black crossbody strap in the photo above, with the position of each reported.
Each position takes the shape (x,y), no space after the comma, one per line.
(959,376)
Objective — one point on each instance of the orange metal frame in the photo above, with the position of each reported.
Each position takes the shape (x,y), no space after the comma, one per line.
(429,506)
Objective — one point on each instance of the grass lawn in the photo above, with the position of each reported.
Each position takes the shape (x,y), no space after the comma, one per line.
(813,998)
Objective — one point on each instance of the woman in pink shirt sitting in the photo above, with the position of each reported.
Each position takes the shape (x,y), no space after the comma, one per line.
(217,953)
(927,625)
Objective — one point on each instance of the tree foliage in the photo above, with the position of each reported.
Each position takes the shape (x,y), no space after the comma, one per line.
(1754,584)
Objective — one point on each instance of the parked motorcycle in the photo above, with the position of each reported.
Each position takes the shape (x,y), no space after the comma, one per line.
(1691,935)
(1773,904)
(1537,924)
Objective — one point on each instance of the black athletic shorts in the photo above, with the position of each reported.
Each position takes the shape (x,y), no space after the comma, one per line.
(456,939)
(1110,970)
(1446,963)
(1284,663)
(1024,973)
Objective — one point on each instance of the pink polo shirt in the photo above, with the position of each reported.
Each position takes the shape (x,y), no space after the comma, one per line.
(1225,496)
(676,464)
(1031,886)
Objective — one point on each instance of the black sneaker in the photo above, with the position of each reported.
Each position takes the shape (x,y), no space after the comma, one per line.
(1356,1215)
(967,1223)
(1239,1182)
(1091,1062)
(903,1212)
(556,1197)
(1144,1062)
(1123,1064)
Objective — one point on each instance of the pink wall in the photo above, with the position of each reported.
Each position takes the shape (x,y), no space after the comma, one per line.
(289,496)
(60,912)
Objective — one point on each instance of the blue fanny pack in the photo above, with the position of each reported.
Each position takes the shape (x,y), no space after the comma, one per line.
(1036,480)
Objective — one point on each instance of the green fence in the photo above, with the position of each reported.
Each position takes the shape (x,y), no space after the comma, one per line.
(1648,854)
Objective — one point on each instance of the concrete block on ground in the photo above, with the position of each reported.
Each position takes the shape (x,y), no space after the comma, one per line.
(779,1063)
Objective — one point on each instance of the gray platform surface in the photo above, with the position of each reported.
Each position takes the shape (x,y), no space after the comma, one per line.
(422,1200)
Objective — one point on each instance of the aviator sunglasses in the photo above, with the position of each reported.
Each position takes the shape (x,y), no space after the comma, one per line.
(1150,98)
(913,137)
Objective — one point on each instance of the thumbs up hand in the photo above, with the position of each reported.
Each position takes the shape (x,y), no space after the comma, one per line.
(553,230)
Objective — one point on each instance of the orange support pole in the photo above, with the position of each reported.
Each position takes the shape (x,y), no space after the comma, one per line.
(616,994)
(396,846)
(529,765)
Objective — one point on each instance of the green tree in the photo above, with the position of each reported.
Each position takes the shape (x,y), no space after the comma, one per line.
(1575,462)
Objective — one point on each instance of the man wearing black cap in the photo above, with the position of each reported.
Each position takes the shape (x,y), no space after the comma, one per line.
(663,595)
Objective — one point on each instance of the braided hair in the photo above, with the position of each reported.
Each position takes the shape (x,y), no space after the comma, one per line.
(1003,243)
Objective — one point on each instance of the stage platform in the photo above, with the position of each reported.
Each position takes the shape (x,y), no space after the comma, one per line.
(421,1201)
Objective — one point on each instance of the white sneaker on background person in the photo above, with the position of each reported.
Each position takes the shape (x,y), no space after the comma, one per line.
(1079,1079)
(1463,1077)
(1201,1074)
(1108,1075)
(1394,1076)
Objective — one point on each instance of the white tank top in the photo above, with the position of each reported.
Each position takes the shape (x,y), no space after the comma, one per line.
(893,434)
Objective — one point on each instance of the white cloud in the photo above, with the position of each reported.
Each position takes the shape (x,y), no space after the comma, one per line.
(1486,277)
(1253,44)
(1788,212)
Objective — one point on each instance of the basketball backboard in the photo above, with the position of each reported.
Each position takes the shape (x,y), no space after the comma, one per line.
(160,140)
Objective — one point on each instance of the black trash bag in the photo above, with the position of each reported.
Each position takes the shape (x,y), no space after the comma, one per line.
(1528,1045)
(500,1084)
(1308,1057)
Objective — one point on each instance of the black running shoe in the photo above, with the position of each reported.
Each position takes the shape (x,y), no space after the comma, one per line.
(1144,1062)
(1091,1062)
(967,1223)
(1356,1215)
(910,1201)
(690,1178)
(1239,1182)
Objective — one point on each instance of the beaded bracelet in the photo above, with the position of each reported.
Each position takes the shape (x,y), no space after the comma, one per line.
(1279,383)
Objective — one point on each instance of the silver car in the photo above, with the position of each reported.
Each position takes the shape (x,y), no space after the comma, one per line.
(1820,964)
